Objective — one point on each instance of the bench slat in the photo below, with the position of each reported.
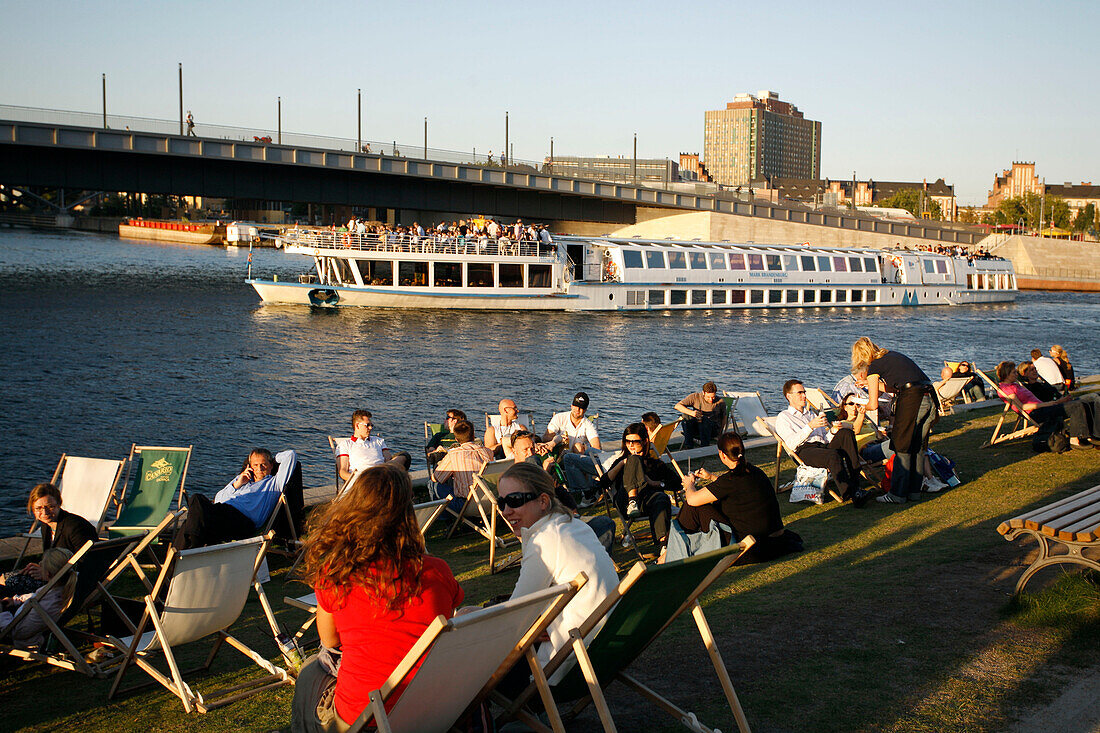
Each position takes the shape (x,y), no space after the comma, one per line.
(1083,531)
(1037,518)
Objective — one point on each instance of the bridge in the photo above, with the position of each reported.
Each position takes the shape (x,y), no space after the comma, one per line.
(83,157)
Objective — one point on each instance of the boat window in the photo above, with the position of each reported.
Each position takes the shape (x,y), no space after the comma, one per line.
(872,296)
(677,297)
(870,264)
(774,263)
(635,297)
(792,296)
(970,281)
(377,272)
(756,262)
(941,267)
(655,260)
(412,274)
(656,297)
(632,259)
(677,261)
(790,263)
(737,261)
(842,296)
(840,264)
(929,266)
(809,296)
(447,274)
(737,296)
(511,276)
(698,260)
(698,297)
(824,264)
(756,296)
(718,297)
(857,296)
(855,264)
(717,261)
(826,296)
(479,275)
(775,296)
(538,276)
(808,263)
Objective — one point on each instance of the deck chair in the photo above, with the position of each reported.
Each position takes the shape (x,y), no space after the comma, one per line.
(478,505)
(34,603)
(484,645)
(948,391)
(1024,424)
(602,461)
(748,407)
(158,477)
(426,514)
(87,486)
(768,424)
(647,601)
(207,590)
(487,483)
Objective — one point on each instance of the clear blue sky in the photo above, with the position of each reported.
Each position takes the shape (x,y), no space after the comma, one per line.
(904,91)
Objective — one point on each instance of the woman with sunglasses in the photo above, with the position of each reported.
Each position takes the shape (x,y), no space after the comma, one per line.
(377,590)
(556,547)
(742,498)
(639,479)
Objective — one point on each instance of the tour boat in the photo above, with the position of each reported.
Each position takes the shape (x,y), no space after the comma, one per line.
(613,273)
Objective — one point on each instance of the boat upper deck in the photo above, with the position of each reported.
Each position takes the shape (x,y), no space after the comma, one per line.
(304,241)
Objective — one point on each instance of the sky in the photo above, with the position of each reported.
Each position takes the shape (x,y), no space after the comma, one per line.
(904,91)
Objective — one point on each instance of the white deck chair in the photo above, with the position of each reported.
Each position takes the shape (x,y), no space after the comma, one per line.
(484,645)
(948,390)
(207,590)
(768,424)
(479,505)
(746,410)
(86,485)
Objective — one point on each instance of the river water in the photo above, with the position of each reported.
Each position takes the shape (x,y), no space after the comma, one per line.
(108,342)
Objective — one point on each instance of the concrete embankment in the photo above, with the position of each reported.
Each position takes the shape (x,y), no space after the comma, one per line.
(1043,263)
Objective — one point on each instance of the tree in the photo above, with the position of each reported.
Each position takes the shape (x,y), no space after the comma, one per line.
(910,199)
(1085,218)
(1033,209)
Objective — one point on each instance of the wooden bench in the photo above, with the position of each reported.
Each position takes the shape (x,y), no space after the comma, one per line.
(1072,523)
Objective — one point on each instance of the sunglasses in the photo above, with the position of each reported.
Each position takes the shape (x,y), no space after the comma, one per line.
(516,499)
(632,441)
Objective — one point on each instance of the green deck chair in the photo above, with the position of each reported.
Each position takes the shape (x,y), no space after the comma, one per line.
(158,477)
(648,600)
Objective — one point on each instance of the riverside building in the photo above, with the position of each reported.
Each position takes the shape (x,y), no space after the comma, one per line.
(760,135)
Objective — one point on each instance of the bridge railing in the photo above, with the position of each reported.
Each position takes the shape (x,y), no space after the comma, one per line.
(412,244)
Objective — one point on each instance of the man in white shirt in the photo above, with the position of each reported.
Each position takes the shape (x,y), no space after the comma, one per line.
(497,436)
(363,451)
(1048,369)
(816,443)
(578,434)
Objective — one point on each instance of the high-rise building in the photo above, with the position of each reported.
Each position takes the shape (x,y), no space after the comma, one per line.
(757,136)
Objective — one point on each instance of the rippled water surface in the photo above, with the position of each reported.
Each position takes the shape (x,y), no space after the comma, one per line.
(108,342)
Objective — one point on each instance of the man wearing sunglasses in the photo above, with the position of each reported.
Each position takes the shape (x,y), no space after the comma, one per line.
(817,443)
(577,432)
(364,450)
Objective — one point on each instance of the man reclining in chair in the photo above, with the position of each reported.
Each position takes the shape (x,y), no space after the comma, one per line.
(816,443)
(242,508)
(742,498)
(362,451)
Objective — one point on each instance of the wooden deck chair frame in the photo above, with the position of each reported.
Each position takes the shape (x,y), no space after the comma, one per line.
(1024,424)
(174,682)
(748,426)
(619,660)
(487,486)
(33,603)
(419,673)
(948,390)
(780,449)
(91,506)
(480,502)
(136,450)
(340,484)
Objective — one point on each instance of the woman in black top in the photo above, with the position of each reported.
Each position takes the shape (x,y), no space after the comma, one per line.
(1061,358)
(915,411)
(639,479)
(59,529)
(741,498)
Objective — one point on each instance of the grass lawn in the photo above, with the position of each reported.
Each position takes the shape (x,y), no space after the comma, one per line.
(895,618)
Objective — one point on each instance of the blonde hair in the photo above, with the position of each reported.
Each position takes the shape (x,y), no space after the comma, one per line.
(53,560)
(864,351)
(1059,353)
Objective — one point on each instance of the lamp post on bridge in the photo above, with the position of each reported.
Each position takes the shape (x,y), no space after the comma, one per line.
(425,138)
(635,168)
(359,121)
(279,116)
(181,98)
(503,162)
(104,80)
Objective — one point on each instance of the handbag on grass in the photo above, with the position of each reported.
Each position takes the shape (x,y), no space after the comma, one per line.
(809,484)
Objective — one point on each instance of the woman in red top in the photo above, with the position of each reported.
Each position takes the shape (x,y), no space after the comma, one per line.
(376,590)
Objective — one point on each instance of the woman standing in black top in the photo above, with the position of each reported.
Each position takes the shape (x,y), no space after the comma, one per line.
(741,498)
(915,411)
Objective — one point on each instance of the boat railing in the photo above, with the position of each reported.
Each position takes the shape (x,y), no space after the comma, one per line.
(413,244)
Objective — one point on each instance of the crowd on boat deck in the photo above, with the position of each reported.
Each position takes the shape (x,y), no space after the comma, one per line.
(958,250)
(377,589)
(487,227)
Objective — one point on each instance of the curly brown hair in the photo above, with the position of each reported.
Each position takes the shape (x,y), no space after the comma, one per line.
(369,537)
